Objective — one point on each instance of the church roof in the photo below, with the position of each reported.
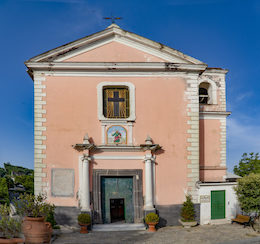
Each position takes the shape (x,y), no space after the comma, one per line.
(115,33)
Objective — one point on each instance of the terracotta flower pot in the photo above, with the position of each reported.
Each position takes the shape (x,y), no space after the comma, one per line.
(152,226)
(84,228)
(36,230)
(11,241)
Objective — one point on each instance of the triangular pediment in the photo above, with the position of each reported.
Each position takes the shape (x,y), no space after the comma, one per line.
(114,45)
(113,51)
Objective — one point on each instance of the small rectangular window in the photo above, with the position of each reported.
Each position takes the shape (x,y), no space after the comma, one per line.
(116,102)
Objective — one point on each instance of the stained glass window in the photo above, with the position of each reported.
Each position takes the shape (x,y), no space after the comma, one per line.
(116,102)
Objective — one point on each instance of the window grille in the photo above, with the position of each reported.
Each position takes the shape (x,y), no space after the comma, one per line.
(116,102)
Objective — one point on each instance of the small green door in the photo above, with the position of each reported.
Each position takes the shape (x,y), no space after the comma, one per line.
(218,204)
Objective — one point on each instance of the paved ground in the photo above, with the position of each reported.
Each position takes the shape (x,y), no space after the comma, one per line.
(218,234)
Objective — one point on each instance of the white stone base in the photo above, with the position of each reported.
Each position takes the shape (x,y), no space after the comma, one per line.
(232,205)
(118,227)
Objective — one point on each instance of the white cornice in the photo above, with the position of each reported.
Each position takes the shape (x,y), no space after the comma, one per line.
(216,184)
(214,115)
(115,67)
(117,157)
(213,71)
(184,75)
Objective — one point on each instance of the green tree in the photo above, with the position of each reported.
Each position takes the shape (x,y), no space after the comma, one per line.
(16,170)
(27,181)
(4,195)
(9,182)
(249,163)
(248,193)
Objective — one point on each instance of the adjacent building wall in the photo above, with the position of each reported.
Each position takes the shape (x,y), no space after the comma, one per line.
(232,207)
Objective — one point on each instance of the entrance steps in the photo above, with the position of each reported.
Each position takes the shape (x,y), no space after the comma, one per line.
(118,227)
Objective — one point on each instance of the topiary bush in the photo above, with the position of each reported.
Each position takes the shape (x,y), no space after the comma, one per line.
(84,218)
(187,211)
(151,218)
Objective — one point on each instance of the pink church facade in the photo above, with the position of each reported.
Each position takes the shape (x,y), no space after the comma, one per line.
(126,126)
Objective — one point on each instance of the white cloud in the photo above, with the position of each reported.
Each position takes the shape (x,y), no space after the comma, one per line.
(243,96)
(242,136)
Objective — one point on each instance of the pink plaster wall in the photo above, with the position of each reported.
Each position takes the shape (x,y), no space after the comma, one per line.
(114,52)
(160,112)
(210,147)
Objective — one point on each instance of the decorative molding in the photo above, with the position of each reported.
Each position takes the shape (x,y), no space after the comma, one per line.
(223,143)
(191,96)
(213,167)
(115,67)
(80,178)
(137,175)
(119,73)
(212,90)
(115,157)
(39,134)
(131,88)
(119,148)
(216,184)
(214,114)
(215,71)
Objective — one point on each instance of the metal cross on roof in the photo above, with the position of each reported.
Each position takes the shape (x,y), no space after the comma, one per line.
(113,18)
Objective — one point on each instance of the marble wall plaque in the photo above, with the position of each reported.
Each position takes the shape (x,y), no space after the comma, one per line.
(204,198)
(62,182)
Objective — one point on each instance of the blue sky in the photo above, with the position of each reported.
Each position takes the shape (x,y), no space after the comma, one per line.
(222,33)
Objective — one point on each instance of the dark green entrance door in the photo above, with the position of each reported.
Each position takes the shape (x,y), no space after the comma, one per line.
(117,199)
(218,204)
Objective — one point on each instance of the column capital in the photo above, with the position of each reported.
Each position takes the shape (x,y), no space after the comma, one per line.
(86,157)
(149,157)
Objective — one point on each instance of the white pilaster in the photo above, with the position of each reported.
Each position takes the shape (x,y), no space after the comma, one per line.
(85,193)
(148,205)
(103,134)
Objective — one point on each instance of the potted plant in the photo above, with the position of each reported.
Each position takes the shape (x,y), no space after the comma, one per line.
(152,219)
(10,228)
(34,209)
(84,219)
(188,213)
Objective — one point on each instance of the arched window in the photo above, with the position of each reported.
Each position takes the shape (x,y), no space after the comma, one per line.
(204,93)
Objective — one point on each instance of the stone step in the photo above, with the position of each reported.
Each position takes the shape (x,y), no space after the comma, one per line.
(118,227)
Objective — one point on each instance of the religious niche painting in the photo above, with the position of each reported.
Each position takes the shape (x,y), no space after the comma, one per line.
(116,135)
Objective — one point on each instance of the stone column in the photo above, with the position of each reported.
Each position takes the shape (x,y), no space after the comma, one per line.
(148,205)
(85,194)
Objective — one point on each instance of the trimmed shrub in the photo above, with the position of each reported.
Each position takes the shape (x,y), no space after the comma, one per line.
(187,211)
(151,218)
(84,218)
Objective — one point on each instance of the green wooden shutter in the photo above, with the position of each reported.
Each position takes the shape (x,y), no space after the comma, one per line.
(218,204)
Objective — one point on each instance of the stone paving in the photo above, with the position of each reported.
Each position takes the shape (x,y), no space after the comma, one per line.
(217,234)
